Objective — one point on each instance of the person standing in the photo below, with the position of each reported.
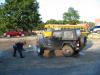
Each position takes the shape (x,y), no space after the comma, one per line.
(40,44)
(18,47)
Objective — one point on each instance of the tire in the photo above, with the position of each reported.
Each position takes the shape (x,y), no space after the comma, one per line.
(8,36)
(67,50)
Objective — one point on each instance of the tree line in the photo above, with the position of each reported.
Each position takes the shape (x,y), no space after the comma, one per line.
(19,14)
(70,17)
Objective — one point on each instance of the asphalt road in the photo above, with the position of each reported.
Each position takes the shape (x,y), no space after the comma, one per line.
(87,63)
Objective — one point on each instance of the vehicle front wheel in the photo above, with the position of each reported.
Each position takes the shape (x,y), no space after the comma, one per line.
(67,50)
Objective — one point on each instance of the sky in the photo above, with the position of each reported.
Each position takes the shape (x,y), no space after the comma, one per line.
(2,1)
(88,10)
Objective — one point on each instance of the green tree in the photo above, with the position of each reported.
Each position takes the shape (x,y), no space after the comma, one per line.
(60,22)
(51,21)
(2,20)
(91,24)
(22,14)
(72,16)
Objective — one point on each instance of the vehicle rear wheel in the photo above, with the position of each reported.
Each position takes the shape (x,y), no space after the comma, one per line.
(67,50)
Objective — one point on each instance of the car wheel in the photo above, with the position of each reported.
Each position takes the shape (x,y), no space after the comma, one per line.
(8,35)
(22,35)
(67,50)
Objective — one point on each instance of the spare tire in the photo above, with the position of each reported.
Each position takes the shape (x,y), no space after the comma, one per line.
(67,50)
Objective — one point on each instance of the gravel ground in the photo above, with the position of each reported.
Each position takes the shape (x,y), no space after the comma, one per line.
(87,63)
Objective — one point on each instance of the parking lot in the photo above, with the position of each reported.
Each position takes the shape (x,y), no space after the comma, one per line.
(86,63)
